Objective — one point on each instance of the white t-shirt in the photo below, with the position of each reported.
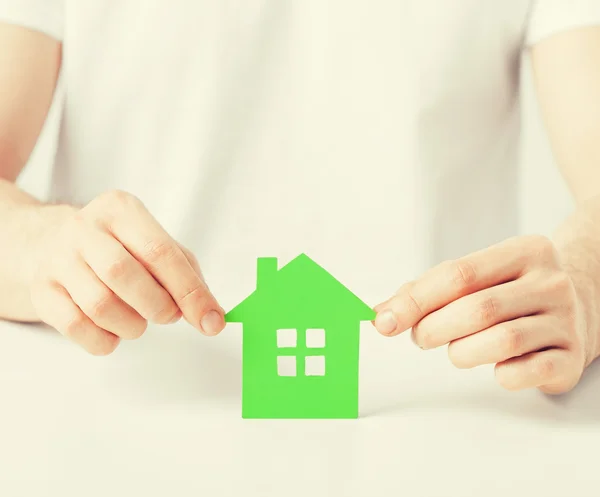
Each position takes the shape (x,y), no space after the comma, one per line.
(377,137)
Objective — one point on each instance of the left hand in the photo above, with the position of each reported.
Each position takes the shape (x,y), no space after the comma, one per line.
(512,305)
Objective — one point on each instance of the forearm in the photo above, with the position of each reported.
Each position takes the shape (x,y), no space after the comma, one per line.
(24,224)
(578,243)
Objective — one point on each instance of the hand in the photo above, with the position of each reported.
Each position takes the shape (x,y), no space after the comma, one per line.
(512,305)
(110,268)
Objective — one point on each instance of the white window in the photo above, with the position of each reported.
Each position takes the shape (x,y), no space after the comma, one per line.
(314,365)
(286,366)
(287,338)
(315,338)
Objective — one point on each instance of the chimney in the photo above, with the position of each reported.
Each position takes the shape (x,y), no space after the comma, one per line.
(266,270)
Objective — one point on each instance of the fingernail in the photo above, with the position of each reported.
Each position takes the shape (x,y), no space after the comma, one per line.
(212,323)
(385,322)
(175,318)
(413,339)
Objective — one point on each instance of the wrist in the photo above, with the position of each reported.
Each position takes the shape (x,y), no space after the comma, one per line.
(588,312)
(577,240)
(44,222)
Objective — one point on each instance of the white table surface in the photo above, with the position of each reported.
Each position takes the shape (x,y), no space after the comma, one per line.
(161,417)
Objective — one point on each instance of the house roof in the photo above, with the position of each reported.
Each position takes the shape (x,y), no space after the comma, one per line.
(301,293)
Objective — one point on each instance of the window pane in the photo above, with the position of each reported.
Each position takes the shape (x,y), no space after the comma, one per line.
(287,338)
(315,338)
(286,366)
(315,365)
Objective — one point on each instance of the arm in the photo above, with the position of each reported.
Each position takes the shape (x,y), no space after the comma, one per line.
(567,78)
(29,66)
(97,274)
(529,305)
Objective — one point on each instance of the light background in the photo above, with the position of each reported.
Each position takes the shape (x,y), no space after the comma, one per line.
(544,197)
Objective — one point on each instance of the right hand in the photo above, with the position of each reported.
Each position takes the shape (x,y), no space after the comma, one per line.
(110,268)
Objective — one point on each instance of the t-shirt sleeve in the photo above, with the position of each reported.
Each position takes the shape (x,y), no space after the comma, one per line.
(46,16)
(549,17)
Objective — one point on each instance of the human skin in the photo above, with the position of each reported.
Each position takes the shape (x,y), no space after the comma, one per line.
(532,300)
(529,305)
(97,274)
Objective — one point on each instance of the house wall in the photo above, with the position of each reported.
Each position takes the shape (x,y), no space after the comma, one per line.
(267,395)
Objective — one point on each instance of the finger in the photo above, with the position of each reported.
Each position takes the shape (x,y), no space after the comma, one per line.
(218,321)
(150,244)
(56,308)
(450,281)
(126,277)
(551,370)
(507,340)
(99,303)
(192,260)
(478,311)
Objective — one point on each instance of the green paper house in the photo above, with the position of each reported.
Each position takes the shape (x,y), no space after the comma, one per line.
(300,343)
